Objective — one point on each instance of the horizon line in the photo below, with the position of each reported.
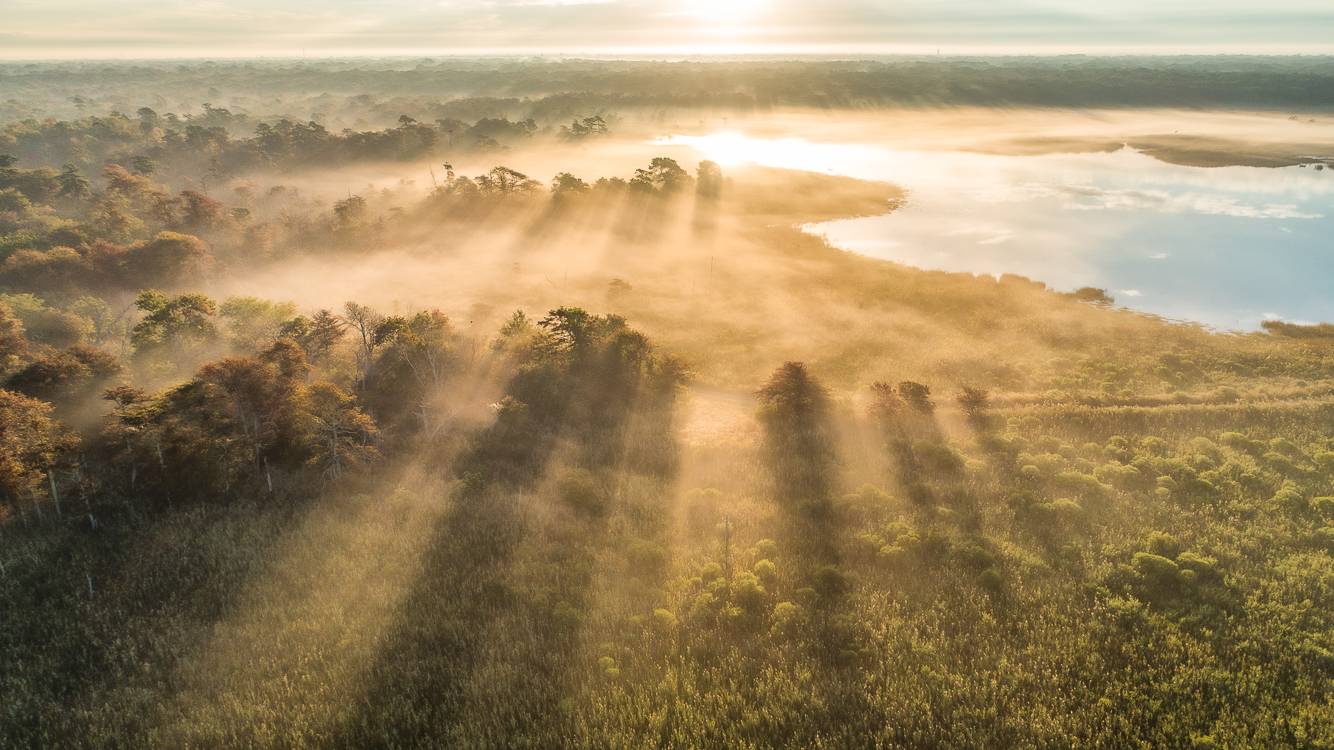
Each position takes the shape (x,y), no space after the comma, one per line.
(692,51)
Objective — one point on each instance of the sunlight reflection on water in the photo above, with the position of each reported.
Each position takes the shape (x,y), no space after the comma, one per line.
(1226,246)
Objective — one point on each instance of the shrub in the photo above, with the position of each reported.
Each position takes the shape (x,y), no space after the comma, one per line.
(787,618)
(748,592)
(1205,568)
(1281,463)
(830,583)
(991,581)
(1125,476)
(647,559)
(1118,448)
(579,490)
(1082,484)
(1290,497)
(766,548)
(938,457)
(1157,570)
(664,620)
(766,571)
(1154,446)
(1323,506)
(1239,442)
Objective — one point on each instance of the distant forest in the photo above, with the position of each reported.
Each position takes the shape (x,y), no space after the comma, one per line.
(558,88)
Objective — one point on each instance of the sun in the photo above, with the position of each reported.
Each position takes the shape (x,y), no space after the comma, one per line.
(723,13)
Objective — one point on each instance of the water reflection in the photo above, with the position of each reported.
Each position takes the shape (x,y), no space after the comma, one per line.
(1224,246)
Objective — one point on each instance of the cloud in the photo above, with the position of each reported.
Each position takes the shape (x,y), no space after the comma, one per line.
(985,234)
(1088,198)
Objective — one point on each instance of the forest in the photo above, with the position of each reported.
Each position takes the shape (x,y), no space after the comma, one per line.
(362,92)
(348,429)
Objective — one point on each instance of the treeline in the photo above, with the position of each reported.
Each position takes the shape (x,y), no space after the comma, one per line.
(275,390)
(361,90)
(213,143)
(64,236)
(318,406)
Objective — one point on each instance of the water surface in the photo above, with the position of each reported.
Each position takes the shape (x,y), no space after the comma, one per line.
(1228,247)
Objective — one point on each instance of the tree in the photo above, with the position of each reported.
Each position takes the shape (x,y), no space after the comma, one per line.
(317,335)
(565,185)
(974,402)
(917,397)
(588,127)
(199,211)
(167,259)
(123,181)
(506,181)
(45,324)
(30,443)
(341,435)
(516,333)
(124,395)
(14,202)
(253,322)
(886,404)
(54,269)
(57,374)
(363,321)
(663,175)
(1298,330)
(142,165)
(709,181)
(112,218)
(795,413)
(418,353)
(424,344)
(238,421)
(569,329)
(173,324)
(350,212)
(13,344)
(148,120)
(37,185)
(72,183)
(97,312)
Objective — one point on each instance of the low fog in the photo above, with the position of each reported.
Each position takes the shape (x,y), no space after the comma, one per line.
(415,404)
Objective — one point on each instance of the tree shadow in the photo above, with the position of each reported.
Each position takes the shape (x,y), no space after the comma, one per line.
(800,444)
(96,617)
(485,646)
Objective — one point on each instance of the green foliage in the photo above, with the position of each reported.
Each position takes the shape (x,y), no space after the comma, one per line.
(252,322)
(64,376)
(30,444)
(173,328)
(286,528)
(168,259)
(663,176)
(795,412)
(46,324)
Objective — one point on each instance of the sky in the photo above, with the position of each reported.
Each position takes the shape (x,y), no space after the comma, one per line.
(43,29)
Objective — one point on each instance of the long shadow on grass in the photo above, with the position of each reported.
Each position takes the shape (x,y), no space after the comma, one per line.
(481,650)
(95,617)
(800,439)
